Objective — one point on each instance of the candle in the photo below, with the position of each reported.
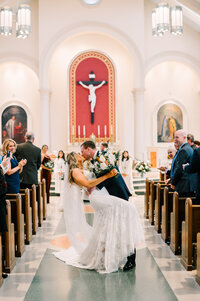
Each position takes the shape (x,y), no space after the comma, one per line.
(84,130)
(111,130)
(72,129)
(105,130)
(79,131)
(98,130)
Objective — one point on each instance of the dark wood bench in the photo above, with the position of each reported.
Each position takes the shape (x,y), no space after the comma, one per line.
(1,269)
(162,176)
(17,218)
(9,242)
(34,206)
(198,259)
(40,203)
(27,211)
(190,228)
(146,198)
(153,187)
(176,218)
(167,208)
(44,197)
(158,205)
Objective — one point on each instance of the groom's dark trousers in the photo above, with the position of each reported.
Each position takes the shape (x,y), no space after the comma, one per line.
(116,186)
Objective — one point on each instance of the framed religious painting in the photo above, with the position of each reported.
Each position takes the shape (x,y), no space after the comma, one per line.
(169,120)
(14,123)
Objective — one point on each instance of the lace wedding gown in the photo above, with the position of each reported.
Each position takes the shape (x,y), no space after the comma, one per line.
(115,233)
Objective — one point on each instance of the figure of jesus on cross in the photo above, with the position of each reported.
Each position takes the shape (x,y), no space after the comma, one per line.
(90,85)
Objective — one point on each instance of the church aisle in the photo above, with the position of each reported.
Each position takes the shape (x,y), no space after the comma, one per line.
(40,276)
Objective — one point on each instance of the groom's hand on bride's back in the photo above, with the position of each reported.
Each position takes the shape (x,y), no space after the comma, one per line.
(112,173)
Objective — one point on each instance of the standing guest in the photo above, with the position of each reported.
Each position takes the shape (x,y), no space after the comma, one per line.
(180,180)
(103,147)
(197,143)
(192,168)
(15,168)
(59,170)
(171,153)
(4,166)
(190,141)
(32,154)
(46,171)
(125,167)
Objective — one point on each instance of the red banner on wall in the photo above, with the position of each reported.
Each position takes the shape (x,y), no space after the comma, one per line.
(80,108)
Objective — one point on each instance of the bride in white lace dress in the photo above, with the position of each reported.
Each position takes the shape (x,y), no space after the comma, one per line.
(116,228)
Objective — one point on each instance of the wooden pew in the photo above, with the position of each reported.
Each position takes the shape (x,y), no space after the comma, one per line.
(9,238)
(146,198)
(198,259)
(153,187)
(27,211)
(162,176)
(158,205)
(17,218)
(1,269)
(190,228)
(167,208)
(176,218)
(40,204)
(44,197)
(34,206)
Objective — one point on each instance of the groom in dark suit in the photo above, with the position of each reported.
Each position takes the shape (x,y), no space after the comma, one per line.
(115,186)
(32,154)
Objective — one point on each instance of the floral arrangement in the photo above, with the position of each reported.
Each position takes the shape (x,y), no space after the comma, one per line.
(49,164)
(117,155)
(102,164)
(142,166)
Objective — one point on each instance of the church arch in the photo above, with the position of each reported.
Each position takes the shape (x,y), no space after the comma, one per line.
(173,56)
(85,28)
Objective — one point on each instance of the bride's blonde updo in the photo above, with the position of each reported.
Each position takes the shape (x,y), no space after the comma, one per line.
(72,163)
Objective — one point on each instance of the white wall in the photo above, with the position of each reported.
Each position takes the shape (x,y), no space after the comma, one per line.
(174,81)
(19,85)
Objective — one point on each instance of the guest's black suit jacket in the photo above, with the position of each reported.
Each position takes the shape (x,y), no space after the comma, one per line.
(32,154)
(194,167)
(182,180)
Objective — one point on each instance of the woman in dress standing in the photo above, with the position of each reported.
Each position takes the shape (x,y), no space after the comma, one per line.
(125,167)
(59,170)
(15,168)
(46,172)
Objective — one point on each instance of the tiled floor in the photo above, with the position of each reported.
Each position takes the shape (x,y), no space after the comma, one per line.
(38,275)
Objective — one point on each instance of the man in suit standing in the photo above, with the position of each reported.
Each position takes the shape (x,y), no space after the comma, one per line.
(192,168)
(180,180)
(32,154)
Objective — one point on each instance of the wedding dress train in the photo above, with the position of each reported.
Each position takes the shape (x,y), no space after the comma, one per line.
(115,233)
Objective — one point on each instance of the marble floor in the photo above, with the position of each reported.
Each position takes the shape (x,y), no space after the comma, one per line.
(38,275)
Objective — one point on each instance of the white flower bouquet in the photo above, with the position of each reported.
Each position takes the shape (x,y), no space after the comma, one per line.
(102,164)
(49,164)
(143,167)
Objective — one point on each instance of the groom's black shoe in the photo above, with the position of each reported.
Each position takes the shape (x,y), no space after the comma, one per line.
(130,264)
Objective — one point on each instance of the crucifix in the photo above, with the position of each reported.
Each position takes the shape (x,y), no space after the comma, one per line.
(90,85)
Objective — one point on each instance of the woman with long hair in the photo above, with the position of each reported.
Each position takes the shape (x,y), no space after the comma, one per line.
(15,168)
(126,169)
(116,230)
(46,171)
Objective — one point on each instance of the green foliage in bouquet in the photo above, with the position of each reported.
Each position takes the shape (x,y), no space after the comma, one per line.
(49,164)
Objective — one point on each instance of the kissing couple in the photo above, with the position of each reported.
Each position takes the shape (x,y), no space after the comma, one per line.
(110,244)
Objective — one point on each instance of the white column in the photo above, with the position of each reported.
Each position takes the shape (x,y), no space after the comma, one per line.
(140,147)
(45,116)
